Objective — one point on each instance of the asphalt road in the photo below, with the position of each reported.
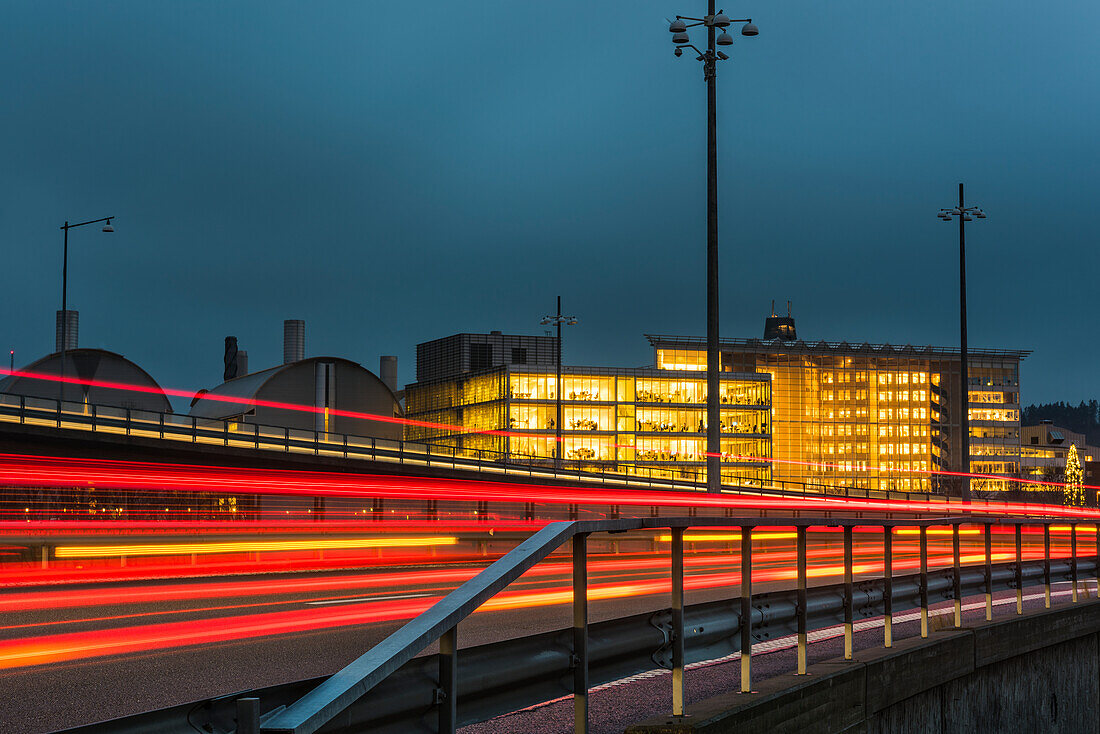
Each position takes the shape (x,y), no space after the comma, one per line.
(77,654)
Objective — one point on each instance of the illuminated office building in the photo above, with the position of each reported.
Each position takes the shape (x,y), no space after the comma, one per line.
(646,421)
(874,416)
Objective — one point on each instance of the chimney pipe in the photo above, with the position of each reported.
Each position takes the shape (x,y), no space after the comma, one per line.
(67,326)
(294,340)
(387,370)
(230,358)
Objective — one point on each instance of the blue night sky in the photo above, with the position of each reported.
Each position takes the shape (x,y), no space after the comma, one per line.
(392,178)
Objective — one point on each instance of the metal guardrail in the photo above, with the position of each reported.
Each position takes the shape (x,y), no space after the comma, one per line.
(390,690)
(333,699)
(234,434)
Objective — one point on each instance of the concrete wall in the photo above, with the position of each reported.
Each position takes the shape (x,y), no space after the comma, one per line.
(1036,673)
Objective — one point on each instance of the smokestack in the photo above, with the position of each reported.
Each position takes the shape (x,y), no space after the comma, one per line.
(294,340)
(242,363)
(67,326)
(231,358)
(387,370)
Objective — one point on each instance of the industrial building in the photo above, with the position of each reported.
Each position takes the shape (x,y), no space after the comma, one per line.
(837,414)
(647,421)
(873,416)
(323,394)
(93,370)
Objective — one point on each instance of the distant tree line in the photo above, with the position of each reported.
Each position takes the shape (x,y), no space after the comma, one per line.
(1082,418)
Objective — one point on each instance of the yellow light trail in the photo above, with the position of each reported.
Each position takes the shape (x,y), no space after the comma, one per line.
(249,546)
(703,537)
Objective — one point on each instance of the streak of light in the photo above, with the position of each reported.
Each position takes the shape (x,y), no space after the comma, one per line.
(704,537)
(36,471)
(246,546)
(313,409)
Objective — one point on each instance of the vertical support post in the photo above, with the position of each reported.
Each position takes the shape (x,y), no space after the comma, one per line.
(964,360)
(888,583)
(1073,558)
(248,716)
(714,366)
(677,621)
(1096,571)
(847,592)
(802,601)
(580,633)
(448,674)
(924,581)
(956,580)
(746,610)
(988,572)
(1019,569)
(1046,565)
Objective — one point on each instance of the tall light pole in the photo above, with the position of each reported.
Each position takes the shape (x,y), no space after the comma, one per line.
(558,319)
(964,214)
(713,21)
(65,292)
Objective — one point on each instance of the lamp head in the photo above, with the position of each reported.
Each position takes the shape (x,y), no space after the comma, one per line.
(680,37)
(679,51)
(544,322)
(720,21)
(571,322)
(980,214)
(677,26)
(749,29)
(724,39)
(107,227)
(722,56)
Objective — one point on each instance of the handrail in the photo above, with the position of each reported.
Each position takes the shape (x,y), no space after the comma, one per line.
(336,694)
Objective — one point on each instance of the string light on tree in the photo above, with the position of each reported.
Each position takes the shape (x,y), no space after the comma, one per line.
(1074,494)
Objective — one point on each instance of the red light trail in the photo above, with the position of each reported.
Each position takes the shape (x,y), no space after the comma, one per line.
(36,471)
(256,402)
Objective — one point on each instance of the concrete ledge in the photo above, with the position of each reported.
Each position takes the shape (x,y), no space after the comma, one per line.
(840,696)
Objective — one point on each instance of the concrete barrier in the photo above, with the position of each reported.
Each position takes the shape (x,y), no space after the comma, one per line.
(1036,673)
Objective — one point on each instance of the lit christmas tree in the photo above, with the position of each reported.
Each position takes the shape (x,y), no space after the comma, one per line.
(1074,494)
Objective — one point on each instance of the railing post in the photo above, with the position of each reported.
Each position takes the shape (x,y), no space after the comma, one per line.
(989,572)
(677,621)
(94,421)
(194,429)
(746,610)
(161,423)
(580,633)
(1096,571)
(1073,558)
(888,584)
(847,592)
(924,581)
(802,601)
(1046,564)
(1019,569)
(448,673)
(128,422)
(956,577)
(248,716)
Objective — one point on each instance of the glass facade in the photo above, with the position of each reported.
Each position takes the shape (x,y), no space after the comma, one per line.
(648,421)
(875,416)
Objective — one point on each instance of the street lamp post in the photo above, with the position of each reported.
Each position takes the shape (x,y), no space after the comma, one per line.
(558,319)
(713,21)
(65,292)
(964,214)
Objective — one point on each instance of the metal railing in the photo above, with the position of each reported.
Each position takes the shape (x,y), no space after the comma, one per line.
(105,420)
(343,701)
